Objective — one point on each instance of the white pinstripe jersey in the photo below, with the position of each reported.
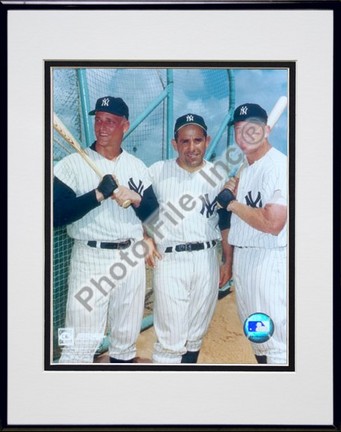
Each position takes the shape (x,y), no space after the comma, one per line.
(187,201)
(108,222)
(261,183)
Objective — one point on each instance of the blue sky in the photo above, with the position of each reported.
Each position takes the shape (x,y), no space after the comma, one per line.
(265,87)
(206,92)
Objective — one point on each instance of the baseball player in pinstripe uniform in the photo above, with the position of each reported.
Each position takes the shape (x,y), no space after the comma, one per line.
(188,229)
(258,202)
(107,275)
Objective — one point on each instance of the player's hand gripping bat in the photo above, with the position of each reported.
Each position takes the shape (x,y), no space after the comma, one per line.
(60,127)
(226,196)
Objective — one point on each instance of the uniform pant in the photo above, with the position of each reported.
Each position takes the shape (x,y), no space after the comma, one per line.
(259,275)
(104,292)
(186,288)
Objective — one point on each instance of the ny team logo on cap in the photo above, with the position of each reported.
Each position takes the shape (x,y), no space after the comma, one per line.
(251,112)
(189,119)
(111,105)
(243,110)
(105,102)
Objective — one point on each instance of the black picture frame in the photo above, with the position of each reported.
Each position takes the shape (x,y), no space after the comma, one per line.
(5,7)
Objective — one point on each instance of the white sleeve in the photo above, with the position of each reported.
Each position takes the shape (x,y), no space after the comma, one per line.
(65,173)
(152,172)
(277,189)
(278,198)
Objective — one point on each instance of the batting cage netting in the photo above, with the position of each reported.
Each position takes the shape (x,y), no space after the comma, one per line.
(155,98)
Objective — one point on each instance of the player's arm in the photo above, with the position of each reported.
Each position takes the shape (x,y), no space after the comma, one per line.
(68,207)
(148,204)
(227,259)
(227,250)
(270,219)
(151,251)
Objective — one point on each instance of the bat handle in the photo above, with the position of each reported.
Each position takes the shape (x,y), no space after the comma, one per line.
(126,204)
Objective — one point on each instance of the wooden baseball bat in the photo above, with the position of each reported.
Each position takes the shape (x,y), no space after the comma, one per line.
(60,127)
(277,111)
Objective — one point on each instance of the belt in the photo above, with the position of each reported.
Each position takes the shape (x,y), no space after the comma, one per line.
(189,247)
(106,245)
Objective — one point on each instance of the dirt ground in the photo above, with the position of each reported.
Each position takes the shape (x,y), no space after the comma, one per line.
(224,343)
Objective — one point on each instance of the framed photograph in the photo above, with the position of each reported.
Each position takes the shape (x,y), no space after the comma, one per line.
(158,95)
(163,73)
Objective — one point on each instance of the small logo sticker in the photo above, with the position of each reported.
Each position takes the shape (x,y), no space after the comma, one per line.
(259,327)
(65,336)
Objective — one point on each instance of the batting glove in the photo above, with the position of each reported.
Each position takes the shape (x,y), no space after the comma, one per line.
(107,186)
(225,197)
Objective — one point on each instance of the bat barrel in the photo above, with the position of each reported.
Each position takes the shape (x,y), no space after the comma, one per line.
(277,111)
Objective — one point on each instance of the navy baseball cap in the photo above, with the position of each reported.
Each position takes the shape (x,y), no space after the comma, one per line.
(188,119)
(249,111)
(111,105)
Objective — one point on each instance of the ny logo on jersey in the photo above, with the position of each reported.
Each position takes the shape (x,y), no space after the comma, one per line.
(207,206)
(243,110)
(105,102)
(134,187)
(253,203)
